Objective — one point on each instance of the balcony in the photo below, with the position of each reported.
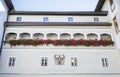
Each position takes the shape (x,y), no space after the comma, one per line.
(53,40)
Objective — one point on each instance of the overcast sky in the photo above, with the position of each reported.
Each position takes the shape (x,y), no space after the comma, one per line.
(55,5)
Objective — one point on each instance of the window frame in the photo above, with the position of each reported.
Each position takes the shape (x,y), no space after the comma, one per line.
(19,19)
(74,61)
(45,19)
(105,62)
(44,61)
(12,61)
(70,19)
(96,19)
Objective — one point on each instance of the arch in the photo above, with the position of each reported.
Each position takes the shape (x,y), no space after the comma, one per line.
(52,36)
(78,36)
(92,36)
(65,36)
(38,36)
(105,36)
(11,36)
(24,36)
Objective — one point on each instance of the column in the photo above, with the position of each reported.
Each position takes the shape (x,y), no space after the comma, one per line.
(85,36)
(72,36)
(58,36)
(98,37)
(31,36)
(45,36)
(18,34)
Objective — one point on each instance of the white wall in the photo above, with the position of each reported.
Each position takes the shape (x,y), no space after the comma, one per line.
(39,18)
(89,61)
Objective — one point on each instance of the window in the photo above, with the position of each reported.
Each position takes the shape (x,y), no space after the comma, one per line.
(45,19)
(19,19)
(96,19)
(73,61)
(70,19)
(104,62)
(44,61)
(11,62)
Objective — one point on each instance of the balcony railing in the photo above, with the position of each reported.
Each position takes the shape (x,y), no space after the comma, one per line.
(66,43)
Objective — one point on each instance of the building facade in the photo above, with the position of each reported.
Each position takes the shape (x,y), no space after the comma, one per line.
(74,44)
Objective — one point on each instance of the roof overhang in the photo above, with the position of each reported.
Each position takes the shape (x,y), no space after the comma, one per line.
(82,13)
(58,24)
(9,5)
(99,5)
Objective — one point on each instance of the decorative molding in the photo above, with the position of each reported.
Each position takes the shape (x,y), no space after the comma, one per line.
(59,59)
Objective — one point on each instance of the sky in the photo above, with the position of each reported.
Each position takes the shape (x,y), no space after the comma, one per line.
(1,7)
(55,5)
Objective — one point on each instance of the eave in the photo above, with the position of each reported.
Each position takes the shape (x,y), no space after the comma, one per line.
(77,13)
(57,24)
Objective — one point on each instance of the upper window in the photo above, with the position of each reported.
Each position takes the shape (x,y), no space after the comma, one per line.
(11,62)
(96,19)
(70,19)
(19,19)
(45,19)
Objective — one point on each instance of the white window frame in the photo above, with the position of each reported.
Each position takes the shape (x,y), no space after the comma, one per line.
(74,61)
(104,62)
(11,62)
(96,19)
(44,61)
(70,19)
(45,19)
(19,19)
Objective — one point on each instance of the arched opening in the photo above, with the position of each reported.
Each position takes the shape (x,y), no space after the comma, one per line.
(38,36)
(52,36)
(65,36)
(78,36)
(11,36)
(105,37)
(24,36)
(92,36)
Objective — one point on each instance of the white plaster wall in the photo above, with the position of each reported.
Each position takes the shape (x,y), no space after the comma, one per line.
(115,13)
(89,61)
(80,75)
(52,18)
